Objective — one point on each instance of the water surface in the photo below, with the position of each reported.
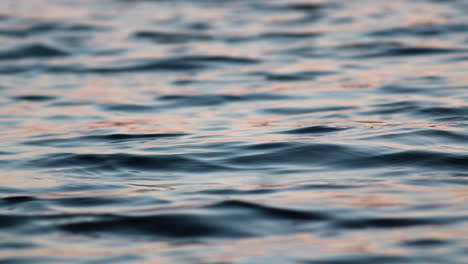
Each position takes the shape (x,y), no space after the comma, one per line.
(250,131)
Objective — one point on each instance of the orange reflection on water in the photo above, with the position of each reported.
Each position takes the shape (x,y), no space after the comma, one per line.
(299,246)
(304,246)
(26,180)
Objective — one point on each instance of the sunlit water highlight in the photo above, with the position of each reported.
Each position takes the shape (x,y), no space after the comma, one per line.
(251,131)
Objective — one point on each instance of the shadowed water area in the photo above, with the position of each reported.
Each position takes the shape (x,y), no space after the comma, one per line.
(249,131)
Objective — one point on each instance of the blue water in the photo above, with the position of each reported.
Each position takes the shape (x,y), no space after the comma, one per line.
(249,131)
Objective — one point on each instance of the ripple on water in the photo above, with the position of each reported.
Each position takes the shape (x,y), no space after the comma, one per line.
(423,30)
(108,138)
(35,98)
(170,37)
(44,28)
(113,162)
(314,130)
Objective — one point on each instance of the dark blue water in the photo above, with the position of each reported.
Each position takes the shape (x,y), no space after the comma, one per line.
(250,131)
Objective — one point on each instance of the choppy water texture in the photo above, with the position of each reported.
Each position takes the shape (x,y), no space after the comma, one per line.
(250,131)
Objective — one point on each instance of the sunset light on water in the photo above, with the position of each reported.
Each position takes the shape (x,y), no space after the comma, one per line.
(234,131)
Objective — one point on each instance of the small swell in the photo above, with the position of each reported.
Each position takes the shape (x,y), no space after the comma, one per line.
(77,141)
(214,99)
(300,110)
(394,222)
(144,66)
(411,51)
(96,201)
(32,51)
(445,111)
(302,154)
(435,134)
(300,7)
(124,137)
(429,159)
(77,201)
(428,30)
(289,35)
(184,63)
(445,135)
(428,242)
(35,98)
(268,146)
(396,107)
(16,246)
(398,89)
(16,199)
(170,38)
(46,27)
(12,221)
(235,191)
(15,69)
(292,77)
(349,157)
(330,186)
(127,107)
(200,100)
(361,259)
(176,64)
(29,31)
(314,130)
(219,59)
(269,212)
(175,226)
(377,49)
(220,221)
(125,161)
